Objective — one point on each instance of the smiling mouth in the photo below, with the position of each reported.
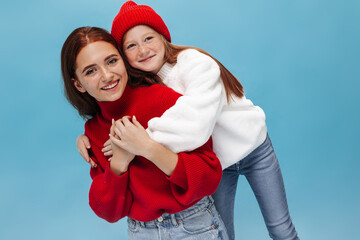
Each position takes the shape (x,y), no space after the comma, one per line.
(111,86)
(146,59)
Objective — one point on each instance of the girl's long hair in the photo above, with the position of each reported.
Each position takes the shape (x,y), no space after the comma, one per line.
(231,84)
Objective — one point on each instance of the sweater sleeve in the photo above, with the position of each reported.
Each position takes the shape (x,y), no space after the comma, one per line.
(109,195)
(197,174)
(190,122)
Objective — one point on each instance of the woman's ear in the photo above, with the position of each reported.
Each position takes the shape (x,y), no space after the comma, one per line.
(78,85)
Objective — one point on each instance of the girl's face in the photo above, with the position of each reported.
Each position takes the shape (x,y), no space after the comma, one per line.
(144,48)
(100,71)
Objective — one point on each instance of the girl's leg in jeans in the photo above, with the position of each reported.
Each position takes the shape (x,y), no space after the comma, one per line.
(224,198)
(263,173)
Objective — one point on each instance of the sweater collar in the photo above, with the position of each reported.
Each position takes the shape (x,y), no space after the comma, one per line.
(114,109)
(165,70)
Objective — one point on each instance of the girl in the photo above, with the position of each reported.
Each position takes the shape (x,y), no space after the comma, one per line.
(213,104)
(163,193)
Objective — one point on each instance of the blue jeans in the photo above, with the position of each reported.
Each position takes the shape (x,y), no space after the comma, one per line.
(200,221)
(262,171)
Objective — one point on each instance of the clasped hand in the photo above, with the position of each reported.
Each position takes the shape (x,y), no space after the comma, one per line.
(130,135)
(127,139)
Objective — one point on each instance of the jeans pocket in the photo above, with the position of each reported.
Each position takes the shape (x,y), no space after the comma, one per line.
(199,222)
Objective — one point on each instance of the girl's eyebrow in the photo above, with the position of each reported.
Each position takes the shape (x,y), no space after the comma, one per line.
(126,42)
(147,33)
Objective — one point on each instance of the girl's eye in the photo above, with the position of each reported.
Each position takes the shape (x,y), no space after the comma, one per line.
(130,46)
(148,38)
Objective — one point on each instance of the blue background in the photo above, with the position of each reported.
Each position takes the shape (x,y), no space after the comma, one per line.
(298,60)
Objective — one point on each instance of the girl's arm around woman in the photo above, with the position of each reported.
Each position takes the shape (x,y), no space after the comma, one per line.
(190,122)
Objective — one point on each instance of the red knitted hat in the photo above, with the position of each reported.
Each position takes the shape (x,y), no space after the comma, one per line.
(131,14)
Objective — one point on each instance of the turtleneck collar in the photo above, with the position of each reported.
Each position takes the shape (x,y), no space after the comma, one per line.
(165,70)
(115,109)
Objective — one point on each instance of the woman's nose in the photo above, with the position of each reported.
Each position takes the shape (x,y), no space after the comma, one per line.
(107,75)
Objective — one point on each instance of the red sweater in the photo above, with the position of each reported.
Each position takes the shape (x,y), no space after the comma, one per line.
(144,192)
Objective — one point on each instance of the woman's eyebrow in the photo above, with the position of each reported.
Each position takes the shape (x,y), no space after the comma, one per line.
(110,56)
(92,65)
(89,66)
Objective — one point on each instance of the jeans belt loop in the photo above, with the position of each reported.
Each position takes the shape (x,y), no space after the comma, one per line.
(142,224)
(173,220)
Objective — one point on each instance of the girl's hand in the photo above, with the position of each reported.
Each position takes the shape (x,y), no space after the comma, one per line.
(121,158)
(132,136)
(83,144)
(107,150)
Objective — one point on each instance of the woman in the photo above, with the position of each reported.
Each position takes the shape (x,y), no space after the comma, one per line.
(158,190)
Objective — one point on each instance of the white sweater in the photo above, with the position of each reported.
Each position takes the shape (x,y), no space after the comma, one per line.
(237,128)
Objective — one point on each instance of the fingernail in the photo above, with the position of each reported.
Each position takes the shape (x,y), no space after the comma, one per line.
(134,117)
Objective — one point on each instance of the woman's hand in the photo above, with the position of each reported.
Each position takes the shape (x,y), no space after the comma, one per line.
(132,136)
(107,150)
(121,158)
(83,144)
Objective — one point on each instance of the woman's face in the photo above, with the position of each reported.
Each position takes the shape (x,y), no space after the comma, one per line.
(144,48)
(100,71)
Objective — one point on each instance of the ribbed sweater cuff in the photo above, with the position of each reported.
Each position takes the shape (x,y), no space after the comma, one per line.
(110,176)
(179,175)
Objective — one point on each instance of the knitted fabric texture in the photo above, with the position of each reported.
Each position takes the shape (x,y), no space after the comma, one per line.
(144,192)
(131,14)
(236,128)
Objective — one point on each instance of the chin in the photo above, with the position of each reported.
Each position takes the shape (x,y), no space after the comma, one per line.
(115,96)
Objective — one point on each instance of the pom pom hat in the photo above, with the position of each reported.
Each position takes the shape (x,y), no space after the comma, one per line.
(131,14)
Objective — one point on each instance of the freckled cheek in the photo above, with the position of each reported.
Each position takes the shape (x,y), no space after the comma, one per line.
(131,58)
(90,83)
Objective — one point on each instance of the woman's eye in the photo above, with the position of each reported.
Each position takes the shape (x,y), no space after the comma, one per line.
(90,71)
(112,61)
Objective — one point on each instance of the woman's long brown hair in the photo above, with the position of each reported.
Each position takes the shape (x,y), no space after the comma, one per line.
(85,104)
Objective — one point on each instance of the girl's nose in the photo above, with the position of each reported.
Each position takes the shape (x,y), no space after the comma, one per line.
(142,50)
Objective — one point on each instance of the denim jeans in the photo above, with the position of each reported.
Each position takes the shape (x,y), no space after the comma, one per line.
(201,221)
(262,171)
